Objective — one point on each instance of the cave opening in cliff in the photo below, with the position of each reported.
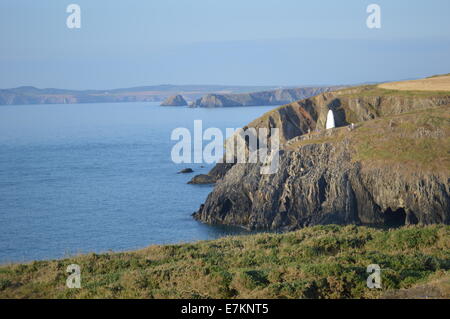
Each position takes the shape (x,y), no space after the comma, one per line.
(227,205)
(395,218)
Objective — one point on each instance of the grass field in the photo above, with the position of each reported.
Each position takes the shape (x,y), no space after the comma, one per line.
(436,83)
(317,262)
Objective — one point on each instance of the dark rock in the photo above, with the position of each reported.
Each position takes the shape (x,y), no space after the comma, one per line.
(186,171)
(215,174)
(202,179)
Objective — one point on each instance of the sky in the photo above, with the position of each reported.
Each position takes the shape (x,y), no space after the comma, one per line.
(230,42)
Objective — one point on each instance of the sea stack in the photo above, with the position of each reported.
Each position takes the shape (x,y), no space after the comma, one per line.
(330,120)
(174,100)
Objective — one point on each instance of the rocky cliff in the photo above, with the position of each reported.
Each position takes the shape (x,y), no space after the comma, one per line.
(274,97)
(392,169)
(174,100)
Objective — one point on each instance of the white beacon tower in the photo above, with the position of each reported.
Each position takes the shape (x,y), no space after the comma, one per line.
(330,120)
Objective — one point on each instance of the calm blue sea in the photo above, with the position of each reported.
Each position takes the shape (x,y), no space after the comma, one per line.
(97,177)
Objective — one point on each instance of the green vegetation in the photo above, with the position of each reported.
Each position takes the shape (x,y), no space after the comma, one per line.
(415,140)
(375,91)
(337,136)
(317,262)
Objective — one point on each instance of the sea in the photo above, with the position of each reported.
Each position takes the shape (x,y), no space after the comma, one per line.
(81,178)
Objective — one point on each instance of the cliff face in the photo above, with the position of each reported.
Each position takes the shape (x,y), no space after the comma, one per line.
(349,106)
(320,185)
(275,97)
(174,100)
(392,169)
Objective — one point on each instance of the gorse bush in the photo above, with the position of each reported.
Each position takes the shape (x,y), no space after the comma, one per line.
(317,262)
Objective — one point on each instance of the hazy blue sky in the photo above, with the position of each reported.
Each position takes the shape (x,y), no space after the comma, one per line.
(248,42)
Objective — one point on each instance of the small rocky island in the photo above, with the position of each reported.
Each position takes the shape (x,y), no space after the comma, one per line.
(175,100)
(186,171)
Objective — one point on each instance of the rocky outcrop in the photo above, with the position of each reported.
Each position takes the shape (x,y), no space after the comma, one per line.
(365,176)
(213,176)
(275,97)
(174,100)
(319,184)
(202,179)
(186,171)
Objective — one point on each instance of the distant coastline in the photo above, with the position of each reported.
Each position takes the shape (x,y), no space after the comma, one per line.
(195,95)
(156,93)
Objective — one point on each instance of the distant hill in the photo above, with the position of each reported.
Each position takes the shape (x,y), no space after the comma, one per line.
(273,97)
(156,93)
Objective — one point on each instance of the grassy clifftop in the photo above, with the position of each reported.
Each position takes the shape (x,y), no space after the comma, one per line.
(417,140)
(434,83)
(353,105)
(316,262)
